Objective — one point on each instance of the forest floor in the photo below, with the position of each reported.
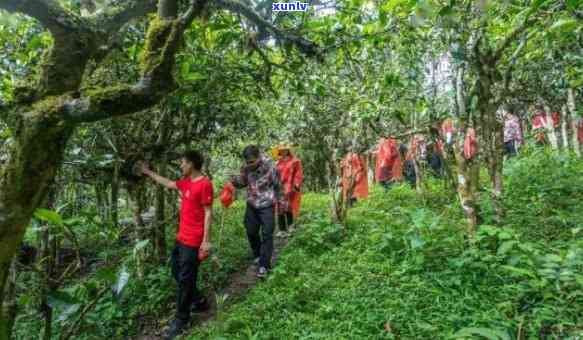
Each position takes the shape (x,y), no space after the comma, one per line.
(240,283)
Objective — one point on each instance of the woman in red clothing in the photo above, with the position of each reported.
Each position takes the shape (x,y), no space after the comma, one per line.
(354,177)
(193,238)
(388,163)
(292,176)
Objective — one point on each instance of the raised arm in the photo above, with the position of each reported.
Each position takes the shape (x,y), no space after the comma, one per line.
(168,183)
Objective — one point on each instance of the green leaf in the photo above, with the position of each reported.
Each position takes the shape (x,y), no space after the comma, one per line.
(49,216)
(416,242)
(564,25)
(505,247)
(122,281)
(519,271)
(488,333)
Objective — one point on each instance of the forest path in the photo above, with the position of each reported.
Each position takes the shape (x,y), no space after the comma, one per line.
(240,283)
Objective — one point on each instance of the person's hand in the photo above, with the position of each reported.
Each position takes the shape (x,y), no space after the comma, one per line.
(206,247)
(142,168)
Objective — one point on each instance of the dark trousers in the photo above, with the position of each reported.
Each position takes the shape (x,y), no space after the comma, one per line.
(510,148)
(185,263)
(263,220)
(285,220)
(386,184)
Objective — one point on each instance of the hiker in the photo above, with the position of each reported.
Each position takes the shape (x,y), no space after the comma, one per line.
(388,163)
(448,131)
(435,158)
(408,166)
(193,237)
(292,176)
(512,133)
(539,123)
(470,144)
(354,177)
(262,180)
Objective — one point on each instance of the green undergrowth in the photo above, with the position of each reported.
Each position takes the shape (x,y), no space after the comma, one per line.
(403,268)
(139,290)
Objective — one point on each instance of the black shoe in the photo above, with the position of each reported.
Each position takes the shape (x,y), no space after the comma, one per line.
(176,328)
(201,306)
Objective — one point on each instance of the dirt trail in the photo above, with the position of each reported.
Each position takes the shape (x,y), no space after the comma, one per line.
(240,282)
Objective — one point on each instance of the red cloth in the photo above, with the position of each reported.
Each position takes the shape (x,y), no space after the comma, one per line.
(355,167)
(539,120)
(292,176)
(580,131)
(414,146)
(227,195)
(195,196)
(470,144)
(388,162)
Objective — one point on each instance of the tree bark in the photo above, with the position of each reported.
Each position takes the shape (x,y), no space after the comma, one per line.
(575,121)
(565,122)
(115,196)
(9,307)
(550,128)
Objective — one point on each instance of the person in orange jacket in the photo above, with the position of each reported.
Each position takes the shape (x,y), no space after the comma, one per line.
(292,177)
(388,163)
(354,171)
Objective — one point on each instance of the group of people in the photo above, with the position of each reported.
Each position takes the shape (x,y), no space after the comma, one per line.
(273,194)
(395,161)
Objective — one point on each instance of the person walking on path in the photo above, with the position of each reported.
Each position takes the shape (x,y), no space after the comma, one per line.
(512,133)
(193,238)
(264,194)
(292,177)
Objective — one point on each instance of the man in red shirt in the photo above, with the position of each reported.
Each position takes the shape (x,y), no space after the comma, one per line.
(196,192)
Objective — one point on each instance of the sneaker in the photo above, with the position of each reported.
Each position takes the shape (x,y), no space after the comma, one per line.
(256,261)
(201,306)
(262,272)
(176,328)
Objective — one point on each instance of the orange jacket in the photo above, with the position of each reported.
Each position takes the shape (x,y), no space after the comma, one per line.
(470,144)
(355,167)
(388,162)
(292,176)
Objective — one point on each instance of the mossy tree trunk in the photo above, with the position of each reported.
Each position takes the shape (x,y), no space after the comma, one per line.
(43,117)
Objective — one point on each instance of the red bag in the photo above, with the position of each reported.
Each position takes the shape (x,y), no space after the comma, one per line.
(227,195)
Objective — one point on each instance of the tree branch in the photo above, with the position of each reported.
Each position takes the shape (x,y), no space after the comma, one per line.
(112,20)
(305,46)
(163,40)
(48,12)
(513,58)
(511,38)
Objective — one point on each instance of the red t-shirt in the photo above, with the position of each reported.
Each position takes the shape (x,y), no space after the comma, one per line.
(195,196)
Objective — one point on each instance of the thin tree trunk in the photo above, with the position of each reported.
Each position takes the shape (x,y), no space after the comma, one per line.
(465,191)
(48,259)
(575,121)
(115,196)
(160,215)
(550,128)
(564,127)
(136,193)
(9,306)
